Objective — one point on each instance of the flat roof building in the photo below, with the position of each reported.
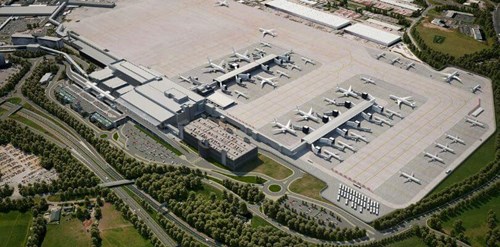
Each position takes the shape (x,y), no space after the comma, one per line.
(28,39)
(329,20)
(101,75)
(219,143)
(373,34)
(31,10)
(133,74)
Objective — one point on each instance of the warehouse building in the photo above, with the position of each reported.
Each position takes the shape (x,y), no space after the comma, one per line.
(373,34)
(219,143)
(29,39)
(310,14)
(31,10)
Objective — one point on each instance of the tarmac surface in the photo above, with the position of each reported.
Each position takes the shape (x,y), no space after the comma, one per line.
(176,36)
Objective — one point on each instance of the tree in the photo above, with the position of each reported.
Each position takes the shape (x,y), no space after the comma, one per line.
(98,213)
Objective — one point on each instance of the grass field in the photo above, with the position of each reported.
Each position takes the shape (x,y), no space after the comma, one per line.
(32,124)
(308,186)
(259,222)
(208,189)
(274,188)
(246,179)
(45,116)
(409,242)
(15,100)
(70,232)
(454,43)
(159,140)
(480,158)
(116,231)
(14,228)
(103,136)
(267,166)
(2,111)
(474,220)
(116,136)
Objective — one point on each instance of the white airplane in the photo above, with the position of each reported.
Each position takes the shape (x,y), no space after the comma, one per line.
(358,137)
(476,88)
(390,113)
(186,79)
(190,79)
(238,93)
(333,102)
(410,65)
(269,80)
(433,157)
(455,139)
(265,44)
(389,123)
(474,122)
(281,73)
(347,92)
(445,148)
(381,55)
(212,67)
(345,145)
(288,128)
(374,119)
(409,177)
(222,3)
(261,51)
(307,60)
(453,76)
(395,60)
(330,155)
(368,80)
(403,100)
(241,57)
(293,66)
(270,32)
(307,115)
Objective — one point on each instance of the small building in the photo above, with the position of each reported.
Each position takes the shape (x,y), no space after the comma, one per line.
(54,215)
(476,33)
(219,143)
(64,96)
(101,121)
(46,78)
(29,39)
(373,34)
(439,22)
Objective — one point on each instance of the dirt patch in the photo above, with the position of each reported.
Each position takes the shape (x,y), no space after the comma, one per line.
(87,224)
(430,25)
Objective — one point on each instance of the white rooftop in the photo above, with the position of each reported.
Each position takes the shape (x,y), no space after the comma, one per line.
(220,99)
(402,5)
(384,24)
(102,74)
(140,74)
(114,83)
(373,34)
(141,105)
(320,17)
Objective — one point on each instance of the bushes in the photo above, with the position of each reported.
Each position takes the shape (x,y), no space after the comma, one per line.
(247,192)
(13,80)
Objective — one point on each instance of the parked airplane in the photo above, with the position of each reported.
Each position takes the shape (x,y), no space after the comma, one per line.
(330,155)
(294,66)
(241,57)
(409,177)
(410,65)
(270,32)
(269,80)
(395,60)
(368,80)
(381,55)
(307,115)
(374,119)
(265,44)
(453,76)
(345,145)
(281,73)
(288,128)
(476,88)
(186,79)
(358,137)
(260,51)
(212,67)
(347,92)
(390,113)
(222,3)
(474,122)
(455,139)
(433,157)
(333,102)
(403,100)
(190,79)
(238,93)
(445,148)
(307,60)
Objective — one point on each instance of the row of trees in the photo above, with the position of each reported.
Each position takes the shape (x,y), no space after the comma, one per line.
(308,226)
(247,192)
(6,191)
(493,234)
(14,79)
(72,174)
(37,231)
(401,18)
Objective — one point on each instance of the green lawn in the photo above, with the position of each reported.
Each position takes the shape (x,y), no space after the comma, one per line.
(70,232)
(480,158)
(116,136)
(267,166)
(409,242)
(246,179)
(14,100)
(2,111)
(259,222)
(14,228)
(32,124)
(455,43)
(103,136)
(208,189)
(474,220)
(116,231)
(34,110)
(159,140)
(308,186)
(274,188)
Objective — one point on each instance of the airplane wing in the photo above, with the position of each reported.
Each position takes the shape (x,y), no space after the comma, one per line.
(289,124)
(407,98)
